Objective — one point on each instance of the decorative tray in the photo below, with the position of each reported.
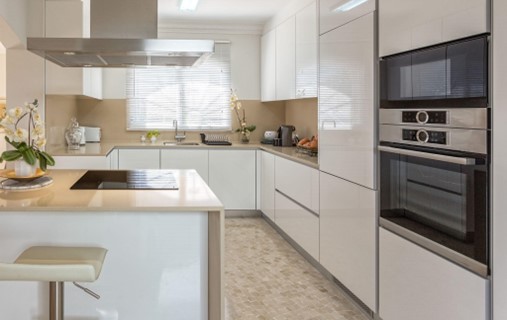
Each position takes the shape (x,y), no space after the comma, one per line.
(26,185)
(11,174)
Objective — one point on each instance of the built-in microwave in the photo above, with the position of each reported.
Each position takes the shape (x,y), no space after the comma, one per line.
(454,74)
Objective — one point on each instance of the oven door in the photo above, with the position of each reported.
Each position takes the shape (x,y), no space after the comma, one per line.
(439,201)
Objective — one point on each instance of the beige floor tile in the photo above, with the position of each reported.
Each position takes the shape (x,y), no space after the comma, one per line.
(266,279)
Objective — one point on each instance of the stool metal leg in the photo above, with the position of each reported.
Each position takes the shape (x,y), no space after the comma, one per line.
(56,300)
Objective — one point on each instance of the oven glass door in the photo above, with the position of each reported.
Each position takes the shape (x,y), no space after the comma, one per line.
(441,198)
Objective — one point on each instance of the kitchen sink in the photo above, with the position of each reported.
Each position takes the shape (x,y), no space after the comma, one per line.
(172,143)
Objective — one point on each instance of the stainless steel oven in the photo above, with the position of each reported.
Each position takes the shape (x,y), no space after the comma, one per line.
(434,181)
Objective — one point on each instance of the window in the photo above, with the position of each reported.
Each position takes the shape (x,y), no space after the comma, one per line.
(197,97)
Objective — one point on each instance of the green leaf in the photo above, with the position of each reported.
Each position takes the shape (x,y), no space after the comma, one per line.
(251,128)
(28,155)
(49,159)
(11,155)
(42,163)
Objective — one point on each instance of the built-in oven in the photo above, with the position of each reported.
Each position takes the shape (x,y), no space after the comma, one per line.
(434,134)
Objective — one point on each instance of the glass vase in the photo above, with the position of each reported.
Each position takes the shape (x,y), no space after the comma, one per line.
(24,169)
(244,137)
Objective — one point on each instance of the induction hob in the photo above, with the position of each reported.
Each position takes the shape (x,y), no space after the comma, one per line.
(126,180)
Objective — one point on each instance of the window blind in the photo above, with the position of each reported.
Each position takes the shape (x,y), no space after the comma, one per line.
(198,97)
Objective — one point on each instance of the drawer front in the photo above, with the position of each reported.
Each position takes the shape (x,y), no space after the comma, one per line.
(298,182)
(301,225)
(132,159)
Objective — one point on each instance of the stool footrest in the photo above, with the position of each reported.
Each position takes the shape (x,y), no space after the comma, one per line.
(90,292)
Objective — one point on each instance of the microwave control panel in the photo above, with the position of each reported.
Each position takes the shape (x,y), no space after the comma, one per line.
(424,117)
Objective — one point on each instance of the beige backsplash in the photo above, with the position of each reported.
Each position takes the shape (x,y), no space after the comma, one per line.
(110,115)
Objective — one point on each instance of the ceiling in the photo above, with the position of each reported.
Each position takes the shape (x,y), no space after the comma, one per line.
(242,13)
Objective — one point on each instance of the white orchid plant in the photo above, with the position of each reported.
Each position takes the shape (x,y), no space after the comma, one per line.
(27,143)
(236,106)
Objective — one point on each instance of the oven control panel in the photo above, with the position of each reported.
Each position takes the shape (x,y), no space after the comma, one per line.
(425,136)
(424,117)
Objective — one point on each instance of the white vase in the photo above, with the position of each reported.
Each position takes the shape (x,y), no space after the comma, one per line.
(23,169)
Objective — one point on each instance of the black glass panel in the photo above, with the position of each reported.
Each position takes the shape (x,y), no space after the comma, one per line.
(127,179)
(399,78)
(467,69)
(428,74)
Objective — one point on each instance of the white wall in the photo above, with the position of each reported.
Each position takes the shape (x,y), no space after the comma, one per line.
(13,22)
(3,67)
(245,65)
(499,171)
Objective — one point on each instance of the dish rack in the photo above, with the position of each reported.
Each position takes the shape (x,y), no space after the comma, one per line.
(215,139)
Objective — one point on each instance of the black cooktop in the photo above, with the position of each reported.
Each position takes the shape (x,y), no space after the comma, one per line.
(126,180)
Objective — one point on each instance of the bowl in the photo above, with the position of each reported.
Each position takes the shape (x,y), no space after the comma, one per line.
(270,135)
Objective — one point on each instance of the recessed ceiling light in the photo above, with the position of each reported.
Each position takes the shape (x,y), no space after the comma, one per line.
(69,53)
(348,5)
(188,5)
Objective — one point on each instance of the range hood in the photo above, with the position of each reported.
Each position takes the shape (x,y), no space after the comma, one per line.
(123,33)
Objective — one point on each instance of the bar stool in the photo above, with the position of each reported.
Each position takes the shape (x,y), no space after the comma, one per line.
(56,265)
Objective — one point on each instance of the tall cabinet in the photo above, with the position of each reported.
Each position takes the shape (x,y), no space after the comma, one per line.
(347,146)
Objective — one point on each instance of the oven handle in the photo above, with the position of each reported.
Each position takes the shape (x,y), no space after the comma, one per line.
(431,156)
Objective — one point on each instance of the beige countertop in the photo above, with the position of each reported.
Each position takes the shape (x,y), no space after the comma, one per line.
(193,195)
(104,148)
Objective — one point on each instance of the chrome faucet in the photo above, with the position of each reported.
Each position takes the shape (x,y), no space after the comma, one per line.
(177,136)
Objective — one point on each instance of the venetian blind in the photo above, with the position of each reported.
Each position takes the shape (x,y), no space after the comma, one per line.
(197,97)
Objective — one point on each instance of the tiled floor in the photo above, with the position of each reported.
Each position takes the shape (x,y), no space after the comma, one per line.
(265,278)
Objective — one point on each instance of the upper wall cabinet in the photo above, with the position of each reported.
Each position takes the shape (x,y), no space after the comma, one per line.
(289,58)
(268,66)
(306,52)
(286,60)
(410,24)
(335,13)
(70,19)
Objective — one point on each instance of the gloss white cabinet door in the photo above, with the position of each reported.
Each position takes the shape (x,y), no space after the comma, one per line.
(306,52)
(335,13)
(186,159)
(267,184)
(268,66)
(346,102)
(300,224)
(232,178)
(113,159)
(286,60)
(416,284)
(410,24)
(81,162)
(348,235)
(299,182)
(131,159)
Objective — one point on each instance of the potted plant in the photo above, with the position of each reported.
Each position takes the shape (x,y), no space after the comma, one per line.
(27,143)
(244,129)
(152,135)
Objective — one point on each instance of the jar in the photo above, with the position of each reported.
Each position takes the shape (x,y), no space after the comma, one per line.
(73,135)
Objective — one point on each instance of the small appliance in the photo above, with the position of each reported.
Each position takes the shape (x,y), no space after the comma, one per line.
(92,134)
(285,133)
(83,136)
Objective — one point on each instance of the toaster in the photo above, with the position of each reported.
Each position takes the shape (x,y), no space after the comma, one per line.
(92,134)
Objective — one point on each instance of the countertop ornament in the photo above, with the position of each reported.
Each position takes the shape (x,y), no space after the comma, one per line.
(27,143)
(244,129)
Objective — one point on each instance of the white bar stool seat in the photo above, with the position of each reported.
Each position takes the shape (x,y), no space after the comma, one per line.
(56,265)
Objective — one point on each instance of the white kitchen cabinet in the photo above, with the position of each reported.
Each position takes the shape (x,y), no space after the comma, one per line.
(416,284)
(348,236)
(347,127)
(300,224)
(112,159)
(70,19)
(267,184)
(335,13)
(186,159)
(232,178)
(131,159)
(268,66)
(286,60)
(81,162)
(409,24)
(306,52)
(299,182)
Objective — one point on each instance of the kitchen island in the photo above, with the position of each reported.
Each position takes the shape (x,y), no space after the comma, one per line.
(165,258)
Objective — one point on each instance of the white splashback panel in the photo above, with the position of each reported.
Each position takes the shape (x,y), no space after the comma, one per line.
(156,267)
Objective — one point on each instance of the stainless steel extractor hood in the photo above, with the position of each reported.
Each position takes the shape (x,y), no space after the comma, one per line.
(123,34)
